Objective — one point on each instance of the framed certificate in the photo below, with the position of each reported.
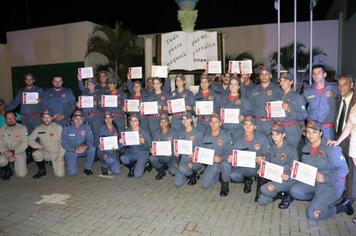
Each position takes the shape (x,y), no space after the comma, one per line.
(184,147)
(243,158)
(135,72)
(176,105)
(109,101)
(86,101)
(204,155)
(161,148)
(131,105)
(85,72)
(130,138)
(304,173)
(149,108)
(109,143)
(204,107)
(230,116)
(271,171)
(30,98)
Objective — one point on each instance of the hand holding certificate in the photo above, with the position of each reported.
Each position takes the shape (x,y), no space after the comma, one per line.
(230,116)
(131,105)
(184,147)
(275,109)
(86,101)
(149,108)
(240,67)
(109,143)
(135,72)
(109,101)
(304,173)
(130,138)
(243,158)
(204,155)
(271,171)
(85,72)
(176,105)
(30,98)
(161,148)
(213,67)
(204,107)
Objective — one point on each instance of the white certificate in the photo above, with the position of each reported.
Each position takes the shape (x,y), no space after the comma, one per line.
(30,98)
(86,101)
(271,171)
(230,116)
(109,100)
(213,67)
(149,108)
(176,105)
(204,107)
(109,143)
(274,109)
(135,72)
(161,148)
(85,72)
(240,67)
(304,173)
(130,138)
(184,147)
(204,155)
(159,71)
(243,158)
(131,105)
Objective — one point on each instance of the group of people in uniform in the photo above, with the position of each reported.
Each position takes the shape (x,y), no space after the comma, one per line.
(58,131)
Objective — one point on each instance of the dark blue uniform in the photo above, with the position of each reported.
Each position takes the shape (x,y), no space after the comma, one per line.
(109,158)
(189,101)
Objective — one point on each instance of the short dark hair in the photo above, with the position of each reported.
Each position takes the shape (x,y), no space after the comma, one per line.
(28,75)
(349,77)
(317,66)
(9,112)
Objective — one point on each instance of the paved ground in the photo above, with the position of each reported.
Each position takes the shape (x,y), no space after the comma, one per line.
(122,206)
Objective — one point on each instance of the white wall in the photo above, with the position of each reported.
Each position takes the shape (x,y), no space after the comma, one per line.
(349,47)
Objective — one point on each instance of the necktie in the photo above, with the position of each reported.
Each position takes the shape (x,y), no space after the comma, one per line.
(342,117)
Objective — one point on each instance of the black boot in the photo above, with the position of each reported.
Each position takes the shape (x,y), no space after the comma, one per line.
(193,179)
(161,173)
(260,181)
(104,171)
(41,170)
(88,172)
(148,166)
(286,200)
(131,168)
(5,175)
(224,190)
(345,206)
(248,184)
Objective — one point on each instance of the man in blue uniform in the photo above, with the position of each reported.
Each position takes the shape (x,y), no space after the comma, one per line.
(78,141)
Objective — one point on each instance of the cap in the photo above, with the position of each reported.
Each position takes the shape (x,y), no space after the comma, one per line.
(77,113)
(186,114)
(314,125)
(134,115)
(249,118)
(137,81)
(215,115)
(46,112)
(113,80)
(180,76)
(164,116)
(287,77)
(108,113)
(278,128)
(259,69)
(91,80)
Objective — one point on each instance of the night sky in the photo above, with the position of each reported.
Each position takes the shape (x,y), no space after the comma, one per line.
(144,16)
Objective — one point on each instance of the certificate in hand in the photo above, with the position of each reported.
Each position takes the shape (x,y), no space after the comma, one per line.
(109,143)
(230,116)
(30,98)
(204,107)
(271,171)
(85,72)
(243,158)
(161,148)
(159,71)
(213,67)
(240,67)
(274,109)
(176,105)
(135,72)
(304,173)
(184,147)
(86,101)
(204,155)
(130,138)
(149,108)
(109,100)
(131,105)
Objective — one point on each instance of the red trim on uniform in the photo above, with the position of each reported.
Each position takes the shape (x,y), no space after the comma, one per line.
(314,150)
(287,123)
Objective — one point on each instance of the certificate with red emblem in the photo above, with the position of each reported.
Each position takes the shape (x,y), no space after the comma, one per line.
(109,143)
(176,105)
(131,105)
(161,148)
(149,108)
(204,107)
(213,67)
(30,98)
(184,147)
(274,109)
(85,72)
(243,158)
(86,101)
(109,100)
(135,72)
(130,138)
(230,116)
(304,173)
(271,171)
(204,155)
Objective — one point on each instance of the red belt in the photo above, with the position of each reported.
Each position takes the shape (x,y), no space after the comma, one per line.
(287,123)
(152,116)
(93,113)
(34,114)
(206,118)
(177,114)
(327,125)
(118,114)
(264,118)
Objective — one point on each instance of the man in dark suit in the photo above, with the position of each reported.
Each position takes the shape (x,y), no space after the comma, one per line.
(344,102)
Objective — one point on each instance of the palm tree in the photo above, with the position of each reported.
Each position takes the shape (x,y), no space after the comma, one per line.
(118,45)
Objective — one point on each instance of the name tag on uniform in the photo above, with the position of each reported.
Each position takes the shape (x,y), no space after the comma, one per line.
(71,135)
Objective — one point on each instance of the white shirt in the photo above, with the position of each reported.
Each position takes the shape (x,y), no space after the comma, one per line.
(347,101)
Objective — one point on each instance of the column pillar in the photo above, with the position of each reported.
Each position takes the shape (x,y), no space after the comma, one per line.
(148,54)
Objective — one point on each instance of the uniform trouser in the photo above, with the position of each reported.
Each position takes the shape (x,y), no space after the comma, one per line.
(95,123)
(141,158)
(110,160)
(322,196)
(293,135)
(212,173)
(31,122)
(157,161)
(71,160)
(264,126)
(56,158)
(271,189)
(239,173)
(328,133)
(183,170)
(20,163)
(120,123)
